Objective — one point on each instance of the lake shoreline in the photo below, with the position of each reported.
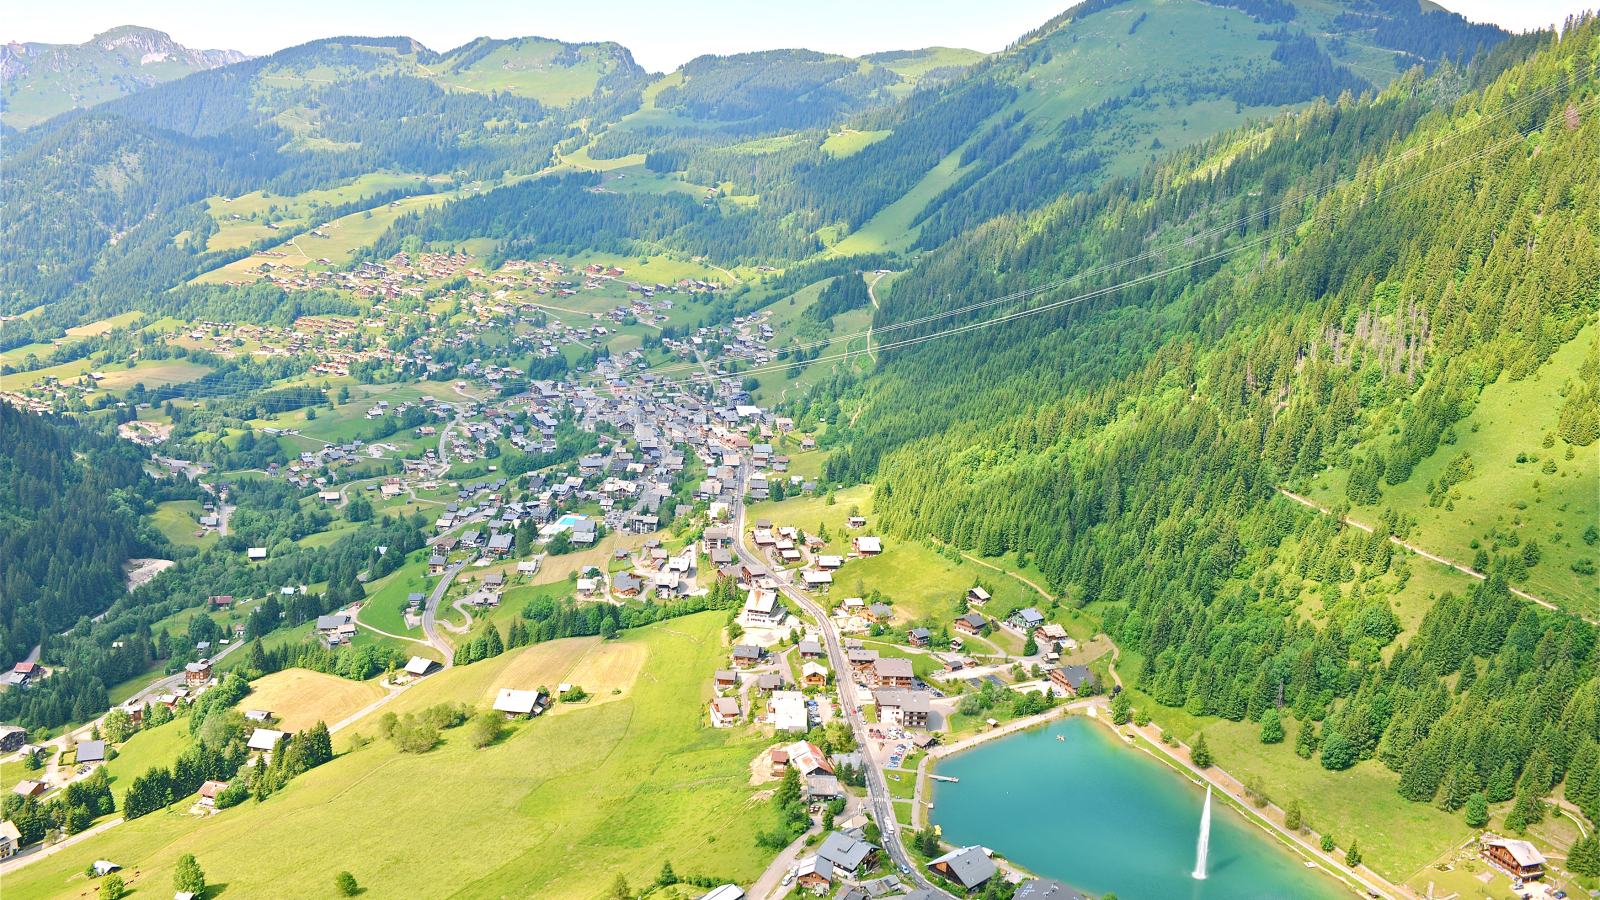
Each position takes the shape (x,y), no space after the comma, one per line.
(1133,738)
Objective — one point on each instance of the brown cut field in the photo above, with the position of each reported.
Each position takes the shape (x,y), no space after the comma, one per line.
(300,697)
(545,664)
(610,666)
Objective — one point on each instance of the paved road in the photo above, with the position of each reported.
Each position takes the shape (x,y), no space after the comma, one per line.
(172,681)
(40,851)
(429,613)
(444,440)
(879,802)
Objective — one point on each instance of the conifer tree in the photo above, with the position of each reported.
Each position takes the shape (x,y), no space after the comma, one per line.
(1305,742)
(1271,727)
(1584,857)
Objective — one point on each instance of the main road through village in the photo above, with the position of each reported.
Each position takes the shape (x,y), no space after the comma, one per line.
(878,799)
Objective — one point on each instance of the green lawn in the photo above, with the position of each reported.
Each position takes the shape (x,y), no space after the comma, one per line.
(174,519)
(923,664)
(901,784)
(849,143)
(125,689)
(902,813)
(383,609)
(555,810)
(920,581)
(156,747)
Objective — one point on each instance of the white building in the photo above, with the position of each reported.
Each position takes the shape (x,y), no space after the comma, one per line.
(788,710)
(762,608)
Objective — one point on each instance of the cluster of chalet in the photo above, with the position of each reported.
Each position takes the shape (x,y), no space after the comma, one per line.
(336,629)
(784,546)
(843,855)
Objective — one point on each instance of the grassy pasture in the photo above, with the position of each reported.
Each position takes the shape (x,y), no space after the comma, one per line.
(849,143)
(345,236)
(916,63)
(173,518)
(16,355)
(607,667)
(151,373)
(528,68)
(890,229)
(94,328)
(382,607)
(548,668)
(555,810)
(253,208)
(152,747)
(1397,836)
(300,698)
(1552,508)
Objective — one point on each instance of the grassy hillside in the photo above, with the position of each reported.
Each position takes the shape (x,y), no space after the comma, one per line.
(557,808)
(552,72)
(1524,484)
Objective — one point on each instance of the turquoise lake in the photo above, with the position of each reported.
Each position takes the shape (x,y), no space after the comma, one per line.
(1101,816)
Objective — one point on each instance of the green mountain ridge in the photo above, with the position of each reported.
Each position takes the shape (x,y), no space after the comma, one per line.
(38,81)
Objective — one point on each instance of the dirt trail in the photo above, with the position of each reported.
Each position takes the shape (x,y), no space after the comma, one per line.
(1047,595)
(1465,570)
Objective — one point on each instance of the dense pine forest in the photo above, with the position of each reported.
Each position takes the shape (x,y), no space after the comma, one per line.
(1337,286)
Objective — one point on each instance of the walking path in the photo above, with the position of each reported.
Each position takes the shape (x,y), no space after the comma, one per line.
(1466,570)
(874,298)
(1046,594)
(917,803)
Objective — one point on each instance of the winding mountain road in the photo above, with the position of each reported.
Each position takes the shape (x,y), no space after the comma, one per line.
(430,619)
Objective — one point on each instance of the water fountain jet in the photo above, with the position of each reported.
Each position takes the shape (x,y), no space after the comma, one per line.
(1205,839)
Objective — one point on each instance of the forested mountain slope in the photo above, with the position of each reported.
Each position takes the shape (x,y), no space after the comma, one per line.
(1334,287)
(70,502)
(38,81)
